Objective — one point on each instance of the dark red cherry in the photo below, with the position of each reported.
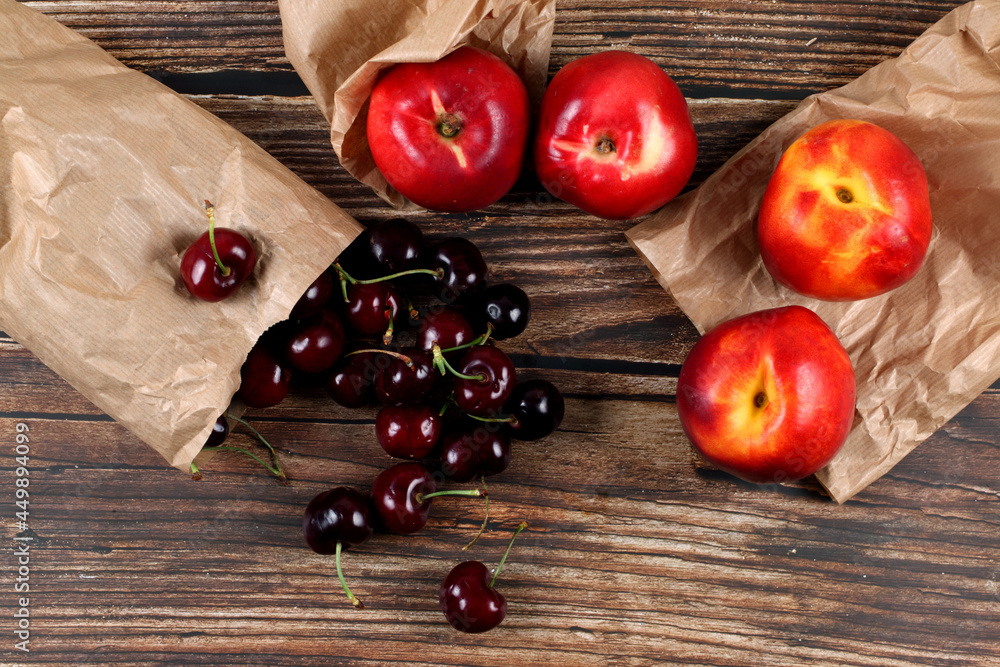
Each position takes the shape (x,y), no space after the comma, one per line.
(316,343)
(264,379)
(472,451)
(463,266)
(507,308)
(467,597)
(220,431)
(494,450)
(486,396)
(395,245)
(399,383)
(201,273)
(408,431)
(338,515)
(446,327)
(537,408)
(372,310)
(315,297)
(351,381)
(357,259)
(398,497)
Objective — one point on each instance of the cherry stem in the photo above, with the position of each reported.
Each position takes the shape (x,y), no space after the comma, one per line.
(226,448)
(506,420)
(520,527)
(274,454)
(387,336)
(468,493)
(478,341)
(343,584)
(444,367)
(402,357)
(344,275)
(486,517)
(210,211)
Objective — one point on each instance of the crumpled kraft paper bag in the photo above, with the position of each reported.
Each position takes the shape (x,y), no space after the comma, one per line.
(339,48)
(924,351)
(103,175)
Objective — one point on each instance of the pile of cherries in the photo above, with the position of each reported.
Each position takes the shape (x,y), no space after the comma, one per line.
(450,398)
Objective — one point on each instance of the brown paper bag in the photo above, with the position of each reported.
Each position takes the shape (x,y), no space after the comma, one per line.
(103,174)
(339,49)
(924,351)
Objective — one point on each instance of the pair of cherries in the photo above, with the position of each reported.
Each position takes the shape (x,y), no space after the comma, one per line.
(344,517)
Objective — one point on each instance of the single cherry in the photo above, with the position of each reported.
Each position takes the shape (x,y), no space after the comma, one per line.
(484,382)
(315,297)
(335,519)
(264,378)
(402,497)
(218,262)
(506,308)
(445,327)
(402,382)
(316,342)
(470,452)
(351,381)
(220,431)
(357,258)
(395,245)
(536,408)
(467,597)
(463,269)
(372,310)
(408,431)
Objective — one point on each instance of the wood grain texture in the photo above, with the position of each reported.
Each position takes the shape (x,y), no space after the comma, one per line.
(638,554)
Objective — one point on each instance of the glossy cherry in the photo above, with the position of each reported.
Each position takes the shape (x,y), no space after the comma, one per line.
(315,297)
(408,431)
(212,278)
(220,431)
(372,310)
(488,382)
(402,497)
(316,343)
(357,258)
(400,382)
(506,308)
(351,381)
(445,327)
(395,245)
(463,268)
(473,451)
(335,519)
(264,378)
(467,596)
(537,409)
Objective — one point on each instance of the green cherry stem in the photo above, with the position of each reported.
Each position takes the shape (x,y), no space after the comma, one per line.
(402,357)
(226,448)
(478,341)
(442,365)
(468,493)
(505,420)
(437,273)
(486,517)
(210,211)
(520,527)
(343,584)
(274,455)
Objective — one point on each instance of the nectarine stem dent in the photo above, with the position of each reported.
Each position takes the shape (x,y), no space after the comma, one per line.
(449,125)
(605,146)
(769,396)
(846,214)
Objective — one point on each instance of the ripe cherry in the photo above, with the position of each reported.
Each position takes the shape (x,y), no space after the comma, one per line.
(337,518)
(463,269)
(485,381)
(506,308)
(264,379)
(408,431)
(315,297)
(220,431)
(316,343)
(467,597)
(372,310)
(445,327)
(402,382)
(351,381)
(395,245)
(402,497)
(469,452)
(536,408)
(218,262)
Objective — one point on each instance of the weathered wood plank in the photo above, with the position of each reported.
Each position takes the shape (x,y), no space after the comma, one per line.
(711,47)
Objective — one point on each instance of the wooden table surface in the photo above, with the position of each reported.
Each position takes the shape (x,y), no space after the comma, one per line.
(638,553)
